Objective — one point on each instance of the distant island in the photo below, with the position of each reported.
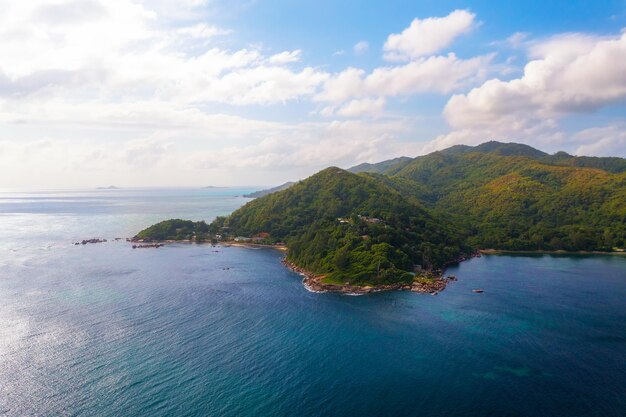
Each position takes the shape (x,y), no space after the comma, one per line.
(398,224)
(262,193)
(110,187)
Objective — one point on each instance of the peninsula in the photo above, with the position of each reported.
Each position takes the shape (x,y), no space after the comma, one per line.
(396,225)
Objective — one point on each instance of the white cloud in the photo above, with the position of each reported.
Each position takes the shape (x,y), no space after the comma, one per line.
(179,10)
(515,41)
(293,150)
(76,12)
(361,47)
(601,141)
(341,143)
(363,107)
(135,61)
(266,85)
(136,92)
(441,74)
(202,31)
(572,74)
(286,57)
(428,36)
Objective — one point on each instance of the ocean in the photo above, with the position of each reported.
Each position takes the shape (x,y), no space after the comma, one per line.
(196,330)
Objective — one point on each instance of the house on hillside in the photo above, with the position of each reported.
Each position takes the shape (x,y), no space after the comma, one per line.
(370,219)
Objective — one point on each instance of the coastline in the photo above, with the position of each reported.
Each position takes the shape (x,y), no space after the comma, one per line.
(254,245)
(224,243)
(546,252)
(313,283)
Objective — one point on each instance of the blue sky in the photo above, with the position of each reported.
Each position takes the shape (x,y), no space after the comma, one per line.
(288,25)
(196,92)
(321,28)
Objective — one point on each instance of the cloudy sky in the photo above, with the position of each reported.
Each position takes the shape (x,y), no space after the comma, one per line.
(258,92)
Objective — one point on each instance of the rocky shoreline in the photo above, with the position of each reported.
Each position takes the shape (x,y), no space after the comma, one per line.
(314,283)
(148,245)
(88,241)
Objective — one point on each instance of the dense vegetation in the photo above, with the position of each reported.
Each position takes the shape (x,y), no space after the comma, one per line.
(511,196)
(175,229)
(351,227)
(376,226)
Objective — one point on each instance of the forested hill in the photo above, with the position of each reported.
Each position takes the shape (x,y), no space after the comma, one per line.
(373,228)
(510,197)
(393,166)
(353,227)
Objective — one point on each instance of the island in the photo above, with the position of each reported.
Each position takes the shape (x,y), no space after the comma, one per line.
(398,225)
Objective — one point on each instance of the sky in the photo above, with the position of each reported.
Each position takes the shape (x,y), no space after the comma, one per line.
(258,92)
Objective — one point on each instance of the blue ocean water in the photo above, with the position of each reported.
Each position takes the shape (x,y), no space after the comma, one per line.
(105,330)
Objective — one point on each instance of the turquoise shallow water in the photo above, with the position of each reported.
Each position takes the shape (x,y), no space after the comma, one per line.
(104,330)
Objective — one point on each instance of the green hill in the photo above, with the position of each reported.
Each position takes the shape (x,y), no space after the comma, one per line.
(393,166)
(507,149)
(352,227)
(520,203)
(175,229)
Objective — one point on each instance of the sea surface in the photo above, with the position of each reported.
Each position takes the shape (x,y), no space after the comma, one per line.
(196,330)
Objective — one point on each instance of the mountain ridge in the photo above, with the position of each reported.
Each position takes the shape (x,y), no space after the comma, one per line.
(560,158)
